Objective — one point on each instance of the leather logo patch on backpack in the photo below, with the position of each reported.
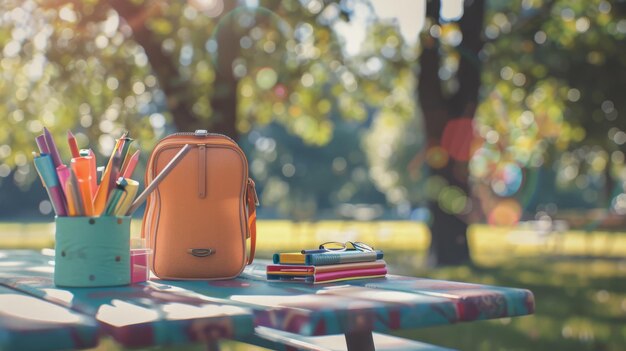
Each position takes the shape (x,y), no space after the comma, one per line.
(201,252)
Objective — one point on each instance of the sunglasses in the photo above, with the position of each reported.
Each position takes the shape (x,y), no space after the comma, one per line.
(336,246)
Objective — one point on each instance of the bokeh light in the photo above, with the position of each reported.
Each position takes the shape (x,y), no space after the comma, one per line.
(453,200)
(507,180)
(266,78)
(457,138)
(506,212)
(437,157)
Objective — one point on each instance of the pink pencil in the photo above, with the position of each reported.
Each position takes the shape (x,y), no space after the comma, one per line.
(130,167)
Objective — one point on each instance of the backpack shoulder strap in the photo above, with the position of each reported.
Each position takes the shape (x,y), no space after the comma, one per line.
(252,202)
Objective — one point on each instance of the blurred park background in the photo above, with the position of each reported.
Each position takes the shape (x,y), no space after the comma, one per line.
(471,140)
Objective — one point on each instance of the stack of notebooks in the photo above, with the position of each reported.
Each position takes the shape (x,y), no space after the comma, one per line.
(326,267)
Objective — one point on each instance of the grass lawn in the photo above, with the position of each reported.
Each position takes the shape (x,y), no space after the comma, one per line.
(579,282)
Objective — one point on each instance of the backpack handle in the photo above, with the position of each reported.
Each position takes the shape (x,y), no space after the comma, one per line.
(252,202)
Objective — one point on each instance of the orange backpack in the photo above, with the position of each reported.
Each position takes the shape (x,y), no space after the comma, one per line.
(199,218)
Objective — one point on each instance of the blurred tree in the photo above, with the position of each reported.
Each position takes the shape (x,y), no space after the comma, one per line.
(448,114)
(554,95)
(101,66)
(306,182)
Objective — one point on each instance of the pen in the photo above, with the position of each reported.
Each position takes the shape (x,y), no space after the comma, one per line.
(155,182)
(52,148)
(314,251)
(47,173)
(80,166)
(71,140)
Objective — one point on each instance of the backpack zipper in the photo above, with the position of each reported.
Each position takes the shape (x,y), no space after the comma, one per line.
(198,133)
(201,171)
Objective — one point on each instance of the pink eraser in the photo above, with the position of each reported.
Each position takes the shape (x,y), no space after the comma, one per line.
(139,270)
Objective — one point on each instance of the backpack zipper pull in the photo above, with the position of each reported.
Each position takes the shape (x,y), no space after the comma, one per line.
(201,132)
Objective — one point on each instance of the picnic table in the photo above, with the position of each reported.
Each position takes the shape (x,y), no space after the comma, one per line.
(37,315)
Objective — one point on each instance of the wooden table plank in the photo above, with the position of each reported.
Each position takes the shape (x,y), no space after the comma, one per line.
(309,311)
(473,301)
(30,323)
(138,315)
(358,306)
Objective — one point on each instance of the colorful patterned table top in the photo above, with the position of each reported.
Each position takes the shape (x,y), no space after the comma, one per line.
(163,312)
(135,316)
(24,316)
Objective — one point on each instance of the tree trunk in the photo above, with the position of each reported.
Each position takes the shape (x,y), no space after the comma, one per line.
(179,97)
(163,65)
(224,99)
(449,231)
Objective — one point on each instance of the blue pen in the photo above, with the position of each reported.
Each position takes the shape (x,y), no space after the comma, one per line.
(47,173)
(314,251)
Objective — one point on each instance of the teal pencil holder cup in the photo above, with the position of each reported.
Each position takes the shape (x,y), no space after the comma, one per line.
(92,251)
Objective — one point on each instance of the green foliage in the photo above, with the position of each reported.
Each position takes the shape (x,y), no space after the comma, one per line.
(552,83)
(87,67)
(394,145)
(553,92)
(70,67)
(296,74)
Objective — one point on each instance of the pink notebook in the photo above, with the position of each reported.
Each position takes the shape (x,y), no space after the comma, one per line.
(334,276)
(354,273)
(290,269)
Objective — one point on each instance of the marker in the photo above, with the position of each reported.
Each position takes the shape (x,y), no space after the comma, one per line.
(47,173)
(88,154)
(71,140)
(52,148)
(80,166)
(155,182)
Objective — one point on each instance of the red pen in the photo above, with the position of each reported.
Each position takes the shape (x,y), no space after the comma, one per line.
(73,146)
(130,167)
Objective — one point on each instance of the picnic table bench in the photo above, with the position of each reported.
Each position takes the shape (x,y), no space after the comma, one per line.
(282,316)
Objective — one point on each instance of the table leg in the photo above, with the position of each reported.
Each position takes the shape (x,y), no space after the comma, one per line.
(361,341)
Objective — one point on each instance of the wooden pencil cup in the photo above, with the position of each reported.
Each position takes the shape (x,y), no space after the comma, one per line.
(92,251)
